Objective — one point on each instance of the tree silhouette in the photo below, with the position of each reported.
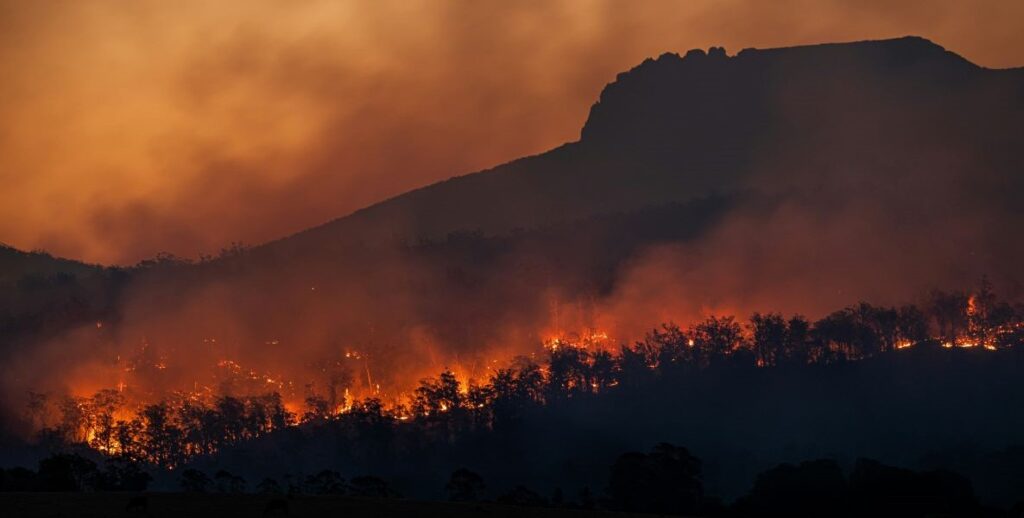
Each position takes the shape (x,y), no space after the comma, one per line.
(74,418)
(672,349)
(769,338)
(227,482)
(269,486)
(568,372)
(194,481)
(123,475)
(67,472)
(812,488)
(950,313)
(912,324)
(437,395)
(603,371)
(847,334)
(665,481)
(522,496)
(317,409)
(326,482)
(464,486)
(162,437)
(882,326)
(479,399)
(586,499)
(231,419)
(797,347)
(715,339)
(101,411)
(877,489)
(337,378)
(635,365)
(367,486)
(18,479)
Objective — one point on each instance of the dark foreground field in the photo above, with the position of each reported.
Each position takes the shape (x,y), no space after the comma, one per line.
(59,505)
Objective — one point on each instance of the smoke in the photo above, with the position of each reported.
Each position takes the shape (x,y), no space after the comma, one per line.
(876,198)
(129,131)
(186,131)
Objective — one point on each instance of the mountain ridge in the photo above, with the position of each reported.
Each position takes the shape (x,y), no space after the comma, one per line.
(409,208)
(568,181)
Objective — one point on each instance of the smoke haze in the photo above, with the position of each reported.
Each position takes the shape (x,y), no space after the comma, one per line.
(129,130)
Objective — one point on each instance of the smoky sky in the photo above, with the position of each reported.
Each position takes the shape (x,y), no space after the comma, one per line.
(133,128)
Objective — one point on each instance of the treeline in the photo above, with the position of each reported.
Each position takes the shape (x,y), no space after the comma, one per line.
(172,432)
(167,433)
(666,480)
(71,472)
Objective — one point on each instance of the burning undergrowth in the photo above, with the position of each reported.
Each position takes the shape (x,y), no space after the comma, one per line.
(167,406)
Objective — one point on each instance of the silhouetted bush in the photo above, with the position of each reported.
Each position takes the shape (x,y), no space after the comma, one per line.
(812,488)
(326,482)
(818,488)
(19,479)
(227,482)
(522,496)
(879,489)
(122,475)
(67,472)
(370,487)
(269,486)
(464,486)
(194,481)
(665,481)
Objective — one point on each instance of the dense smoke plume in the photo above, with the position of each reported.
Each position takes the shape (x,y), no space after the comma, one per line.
(129,131)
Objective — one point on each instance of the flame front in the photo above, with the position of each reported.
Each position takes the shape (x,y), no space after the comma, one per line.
(137,416)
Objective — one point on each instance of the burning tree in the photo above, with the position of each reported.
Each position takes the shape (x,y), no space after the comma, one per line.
(170,432)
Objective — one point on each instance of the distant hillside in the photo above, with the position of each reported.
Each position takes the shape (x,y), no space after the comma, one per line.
(16,264)
(678,128)
(42,296)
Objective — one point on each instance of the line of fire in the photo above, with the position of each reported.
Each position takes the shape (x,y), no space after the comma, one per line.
(238,403)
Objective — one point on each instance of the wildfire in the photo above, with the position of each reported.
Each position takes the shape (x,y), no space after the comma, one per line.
(968,345)
(592,339)
(346,405)
(120,420)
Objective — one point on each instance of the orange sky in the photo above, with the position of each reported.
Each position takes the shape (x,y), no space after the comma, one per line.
(128,128)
